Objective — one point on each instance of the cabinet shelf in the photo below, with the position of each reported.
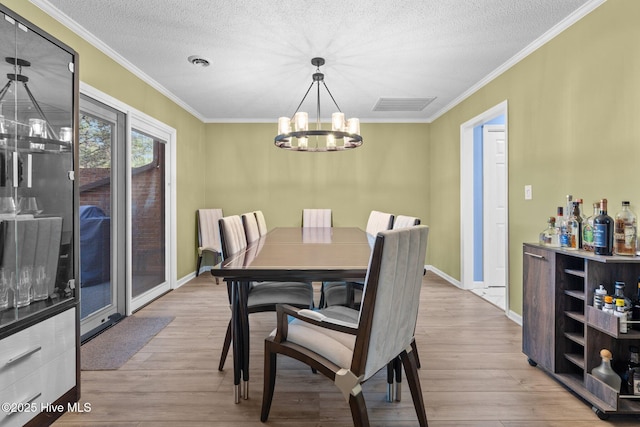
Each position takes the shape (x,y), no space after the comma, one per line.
(573,272)
(575,316)
(23,144)
(575,294)
(609,324)
(576,359)
(575,337)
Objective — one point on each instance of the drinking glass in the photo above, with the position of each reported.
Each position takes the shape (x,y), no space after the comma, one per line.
(7,205)
(6,283)
(40,285)
(38,127)
(3,141)
(22,294)
(28,205)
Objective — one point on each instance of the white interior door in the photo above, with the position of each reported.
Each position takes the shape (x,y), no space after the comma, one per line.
(495,205)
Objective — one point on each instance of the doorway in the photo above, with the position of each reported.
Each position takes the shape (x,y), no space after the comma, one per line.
(484,205)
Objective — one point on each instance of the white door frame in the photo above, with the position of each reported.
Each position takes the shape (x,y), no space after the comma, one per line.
(466,198)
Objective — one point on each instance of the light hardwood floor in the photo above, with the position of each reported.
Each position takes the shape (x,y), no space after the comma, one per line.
(473,373)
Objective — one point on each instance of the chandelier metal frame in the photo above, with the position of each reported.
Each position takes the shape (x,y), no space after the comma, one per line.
(346,131)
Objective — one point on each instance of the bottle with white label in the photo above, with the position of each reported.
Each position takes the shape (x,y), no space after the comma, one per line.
(625,232)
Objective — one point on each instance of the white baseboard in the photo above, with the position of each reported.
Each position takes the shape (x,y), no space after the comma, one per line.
(444,275)
(510,314)
(515,317)
(185,279)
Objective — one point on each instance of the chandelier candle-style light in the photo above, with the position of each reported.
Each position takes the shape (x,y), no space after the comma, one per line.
(294,133)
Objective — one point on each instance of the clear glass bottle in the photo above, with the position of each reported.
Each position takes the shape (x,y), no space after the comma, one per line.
(625,231)
(574,227)
(561,226)
(549,236)
(598,297)
(587,229)
(603,231)
(605,373)
(568,207)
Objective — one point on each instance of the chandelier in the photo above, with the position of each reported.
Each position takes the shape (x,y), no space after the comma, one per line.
(294,132)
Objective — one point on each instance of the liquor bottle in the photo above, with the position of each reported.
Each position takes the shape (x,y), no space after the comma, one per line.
(633,366)
(568,207)
(605,373)
(561,226)
(603,231)
(635,311)
(625,232)
(625,301)
(587,229)
(574,227)
(549,236)
(598,297)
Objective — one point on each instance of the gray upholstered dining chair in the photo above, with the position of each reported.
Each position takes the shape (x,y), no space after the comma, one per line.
(317,218)
(348,353)
(208,235)
(262,296)
(350,293)
(402,221)
(262,223)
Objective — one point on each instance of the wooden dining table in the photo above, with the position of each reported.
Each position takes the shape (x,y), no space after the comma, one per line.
(288,254)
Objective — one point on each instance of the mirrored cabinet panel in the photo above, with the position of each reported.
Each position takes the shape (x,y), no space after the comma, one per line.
(37,191)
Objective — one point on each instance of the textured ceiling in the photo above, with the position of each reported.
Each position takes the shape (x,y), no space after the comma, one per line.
(260,51)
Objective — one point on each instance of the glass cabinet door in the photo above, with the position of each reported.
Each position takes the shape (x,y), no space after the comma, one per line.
(36,172)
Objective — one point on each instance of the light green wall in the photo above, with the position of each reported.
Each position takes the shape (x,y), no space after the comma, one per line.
(573,128)
(388,173)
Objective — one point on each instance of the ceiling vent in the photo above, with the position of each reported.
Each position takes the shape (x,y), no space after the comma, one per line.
(402,104)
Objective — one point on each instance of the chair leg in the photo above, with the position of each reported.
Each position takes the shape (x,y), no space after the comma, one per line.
(270,365)
(411,371)
(358,410)
(244,292)
(390,389)
(225,348)
(198,266)
(414,349)
(322,303)
(397,367)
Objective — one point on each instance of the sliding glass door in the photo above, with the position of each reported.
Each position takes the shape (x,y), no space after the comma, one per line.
(149,208)
(149,211)
(125,215)
(102,283)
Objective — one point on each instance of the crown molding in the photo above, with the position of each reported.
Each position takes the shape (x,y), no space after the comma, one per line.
(78,29)
(532,47)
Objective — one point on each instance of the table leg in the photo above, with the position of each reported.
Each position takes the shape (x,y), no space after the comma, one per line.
(244,320)
(236,339)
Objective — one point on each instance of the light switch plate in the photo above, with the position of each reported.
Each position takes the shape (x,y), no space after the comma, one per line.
(528,194)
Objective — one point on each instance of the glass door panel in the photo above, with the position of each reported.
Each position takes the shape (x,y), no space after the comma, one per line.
(148,216)
(101,294)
